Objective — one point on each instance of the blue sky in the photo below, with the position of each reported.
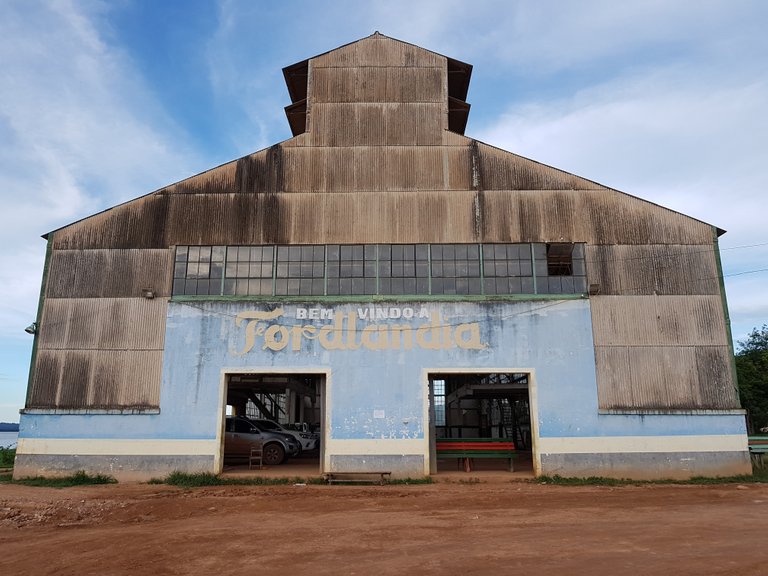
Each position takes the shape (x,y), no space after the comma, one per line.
(103,101)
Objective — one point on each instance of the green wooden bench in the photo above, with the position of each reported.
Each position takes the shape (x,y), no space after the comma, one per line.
(758,448)
(467,449)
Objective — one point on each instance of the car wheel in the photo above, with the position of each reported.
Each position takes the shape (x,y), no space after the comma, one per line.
(273,454)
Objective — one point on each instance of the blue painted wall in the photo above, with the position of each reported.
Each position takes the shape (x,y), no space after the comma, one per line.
(553,338)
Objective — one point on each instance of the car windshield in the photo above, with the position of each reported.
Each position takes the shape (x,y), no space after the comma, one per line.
(267,425)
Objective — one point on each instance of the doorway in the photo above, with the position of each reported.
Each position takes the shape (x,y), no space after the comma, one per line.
(493,406)
(283,410)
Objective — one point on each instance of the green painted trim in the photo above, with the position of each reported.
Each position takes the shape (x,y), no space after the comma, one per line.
(724,299)
(378,298)
(38,318)
(482,269)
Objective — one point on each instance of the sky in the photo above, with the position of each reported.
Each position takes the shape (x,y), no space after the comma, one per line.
(104,101)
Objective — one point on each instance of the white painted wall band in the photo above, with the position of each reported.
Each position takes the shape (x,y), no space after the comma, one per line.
(654,444)
(121,447)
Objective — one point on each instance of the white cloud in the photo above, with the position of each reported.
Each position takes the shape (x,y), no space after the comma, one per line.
(661,136)
(80,132)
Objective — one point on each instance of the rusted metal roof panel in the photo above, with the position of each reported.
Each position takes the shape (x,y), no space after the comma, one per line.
(108,273)
(103,323)
(378,50)
(653,269)
(99,379)
(664,378)
(658,321)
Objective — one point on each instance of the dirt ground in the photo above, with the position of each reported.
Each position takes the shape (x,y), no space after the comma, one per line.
(444,528)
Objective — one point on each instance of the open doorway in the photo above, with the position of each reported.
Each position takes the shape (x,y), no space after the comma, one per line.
(491,410)
(282,413)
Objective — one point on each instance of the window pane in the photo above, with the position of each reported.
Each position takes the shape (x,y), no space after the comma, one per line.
(218,253)
(527,285)
(180,270)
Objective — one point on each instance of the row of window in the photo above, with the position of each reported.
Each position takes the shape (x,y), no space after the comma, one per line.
(383,269)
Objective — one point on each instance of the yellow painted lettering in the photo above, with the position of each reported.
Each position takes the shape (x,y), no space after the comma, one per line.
(271,340)
(375,337)
(468,336)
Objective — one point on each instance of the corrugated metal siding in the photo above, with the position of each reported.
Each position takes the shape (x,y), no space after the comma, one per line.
(108,273)
(378,51)
(217,180)
(593,216)
(662,352)
(502,170)
(658,320)
(402,217)
(499,216)
(665,378)
(453,139)
(379,84)
(407,124)
(653,269)
(713,365)
(379,168)
(103,323)
(308,218)
(107,379)
(140,223)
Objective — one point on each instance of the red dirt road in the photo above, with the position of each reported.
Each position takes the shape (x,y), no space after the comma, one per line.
(466,529)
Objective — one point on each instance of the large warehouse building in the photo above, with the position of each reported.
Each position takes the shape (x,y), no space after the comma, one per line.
(388,281)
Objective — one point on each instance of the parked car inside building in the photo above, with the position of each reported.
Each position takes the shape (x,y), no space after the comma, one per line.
(307,440)
(241,434)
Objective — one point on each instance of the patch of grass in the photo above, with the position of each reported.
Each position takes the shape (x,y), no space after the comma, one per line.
(760,476)
(186,480)
(6,478)
(424,480)
(7,456)
(79,478)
